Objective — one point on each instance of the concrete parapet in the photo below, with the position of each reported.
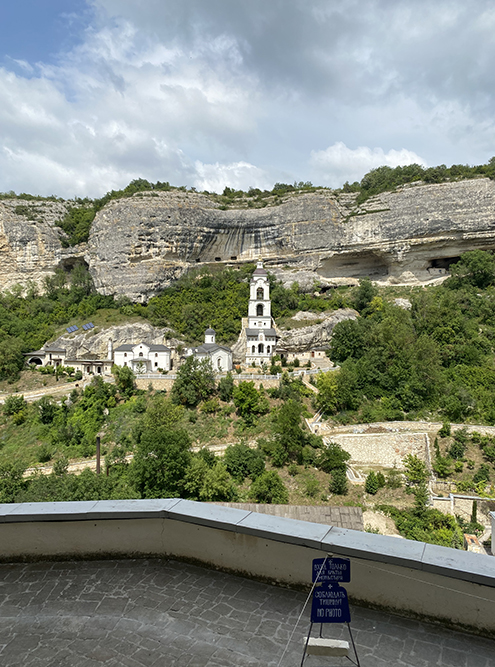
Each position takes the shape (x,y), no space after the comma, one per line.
(423,580)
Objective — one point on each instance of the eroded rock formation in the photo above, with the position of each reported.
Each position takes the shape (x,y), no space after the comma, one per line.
(141,244)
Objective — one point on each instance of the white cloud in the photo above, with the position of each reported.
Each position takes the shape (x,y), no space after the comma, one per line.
(238,175)
(225,93)
(338,163)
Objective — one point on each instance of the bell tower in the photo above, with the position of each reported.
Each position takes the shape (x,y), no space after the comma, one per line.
(261,338)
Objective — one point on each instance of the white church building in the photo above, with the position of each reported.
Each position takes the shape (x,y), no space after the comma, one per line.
(143,357)
(261,338)
(219,355)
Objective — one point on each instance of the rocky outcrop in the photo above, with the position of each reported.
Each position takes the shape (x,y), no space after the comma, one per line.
(317,335)
(95,343)
(138,245)
(141,244)
(30,246)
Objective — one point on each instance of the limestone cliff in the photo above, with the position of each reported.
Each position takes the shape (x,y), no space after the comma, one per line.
(30,246)
(94,343)
(316,335)
(141,244)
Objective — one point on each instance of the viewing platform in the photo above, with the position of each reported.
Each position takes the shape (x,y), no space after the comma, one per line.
(175,582)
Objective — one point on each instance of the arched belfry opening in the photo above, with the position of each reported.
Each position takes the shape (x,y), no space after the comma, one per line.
(259,293)
(259,310)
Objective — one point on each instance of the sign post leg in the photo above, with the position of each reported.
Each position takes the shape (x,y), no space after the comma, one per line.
(353,645)
(306,644)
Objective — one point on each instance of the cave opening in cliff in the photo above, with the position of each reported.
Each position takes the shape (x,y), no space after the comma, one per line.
(354,265)
(69,264)
(443,262)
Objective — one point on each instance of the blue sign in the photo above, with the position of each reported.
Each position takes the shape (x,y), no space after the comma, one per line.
(330,605)
(331,569)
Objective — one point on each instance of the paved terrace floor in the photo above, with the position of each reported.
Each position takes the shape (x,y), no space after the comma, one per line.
(135,613)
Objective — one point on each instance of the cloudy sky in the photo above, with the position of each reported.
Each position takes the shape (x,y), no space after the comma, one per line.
(208,93)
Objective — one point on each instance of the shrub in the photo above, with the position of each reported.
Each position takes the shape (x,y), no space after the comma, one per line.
(312,486)
(332,457)
(338,482)
(269,488)
(380,478)
(293,469)
(13,404)
(371,484)
(394,479)
(242,462)
(482,474)
(226,388)
(445,431)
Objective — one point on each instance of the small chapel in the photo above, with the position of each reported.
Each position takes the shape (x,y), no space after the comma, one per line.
(261,338)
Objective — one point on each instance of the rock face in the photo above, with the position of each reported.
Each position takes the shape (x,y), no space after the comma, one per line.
(141,244)
(307,338)
(30,249)
(92,344)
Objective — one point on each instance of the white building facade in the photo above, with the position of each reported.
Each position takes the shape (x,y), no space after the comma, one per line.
(143,357)
(261,338)
(219,355)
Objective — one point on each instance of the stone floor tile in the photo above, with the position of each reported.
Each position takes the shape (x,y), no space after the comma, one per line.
(154,612)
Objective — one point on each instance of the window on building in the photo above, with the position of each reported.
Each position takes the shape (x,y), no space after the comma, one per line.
(253,349)
(156,363)
(140,354)
(125,354)
(259,293)
(268,349)
(219,364)
(259,310)
(156,354)
(261,348)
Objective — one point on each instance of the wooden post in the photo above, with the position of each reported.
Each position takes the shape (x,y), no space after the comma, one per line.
(97,454)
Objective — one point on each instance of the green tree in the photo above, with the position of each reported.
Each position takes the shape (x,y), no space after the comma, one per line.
(161,412)
(218,485)
(47,409)
(442,466)
(241,461)
(364,294)
(13,404)
(249,403)
(160,463)
(226,388)
(415,470)
(195,382)
(333,457)
(338,482)
(11,357)
(288,430)
(11,481)
(125,380)
(371,485)
(476,267)
(194,477)
(327,398)
(269,488)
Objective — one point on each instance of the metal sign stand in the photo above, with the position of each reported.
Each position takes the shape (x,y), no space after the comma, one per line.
(330,605)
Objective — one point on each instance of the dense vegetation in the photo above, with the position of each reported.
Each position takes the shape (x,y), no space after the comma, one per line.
(159,432)
(29,321)
(386,178)
(436,359)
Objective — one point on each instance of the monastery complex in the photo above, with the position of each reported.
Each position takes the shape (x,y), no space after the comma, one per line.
(144,358)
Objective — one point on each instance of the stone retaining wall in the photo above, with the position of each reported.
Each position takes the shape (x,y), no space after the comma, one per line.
(382,449)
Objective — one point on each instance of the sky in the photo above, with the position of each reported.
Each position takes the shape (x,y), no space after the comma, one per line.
(215,93)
